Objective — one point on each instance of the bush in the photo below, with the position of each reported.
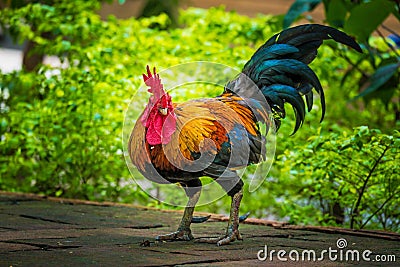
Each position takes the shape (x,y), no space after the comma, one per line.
(61,127)
(342,179)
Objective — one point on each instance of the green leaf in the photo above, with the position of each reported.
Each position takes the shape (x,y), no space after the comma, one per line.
(336,13)
(3,125)
(121,2)
(66,45)
(298,8)
(379,78)
(366,17)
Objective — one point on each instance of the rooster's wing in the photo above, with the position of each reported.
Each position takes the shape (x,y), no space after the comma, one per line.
(212,136)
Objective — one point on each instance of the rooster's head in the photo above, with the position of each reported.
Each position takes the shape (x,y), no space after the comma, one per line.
(158,117)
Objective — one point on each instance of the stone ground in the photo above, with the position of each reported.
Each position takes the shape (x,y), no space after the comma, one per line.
(41,231)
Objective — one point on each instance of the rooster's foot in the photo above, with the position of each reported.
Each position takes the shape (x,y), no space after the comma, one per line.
(224,240)
(230,237)
(183,234)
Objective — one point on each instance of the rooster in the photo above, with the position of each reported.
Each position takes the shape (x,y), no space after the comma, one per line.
(169,137)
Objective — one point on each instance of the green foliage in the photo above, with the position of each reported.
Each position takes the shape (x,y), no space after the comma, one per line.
(298,8)
(381,76)
(341,179)
(361,13)
(352,179)
(354,16)
(61,127)
(169,7)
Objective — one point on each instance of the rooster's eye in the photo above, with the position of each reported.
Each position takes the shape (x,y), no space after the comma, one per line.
(163,111)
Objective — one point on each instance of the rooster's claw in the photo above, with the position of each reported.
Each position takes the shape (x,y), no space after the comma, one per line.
(244,217)
(200,219)
(220,241)
(230,238)
(185,235)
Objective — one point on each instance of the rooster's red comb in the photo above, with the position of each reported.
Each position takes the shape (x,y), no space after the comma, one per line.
(154,82)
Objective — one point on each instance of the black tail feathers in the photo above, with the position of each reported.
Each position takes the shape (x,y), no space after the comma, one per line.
(280,69)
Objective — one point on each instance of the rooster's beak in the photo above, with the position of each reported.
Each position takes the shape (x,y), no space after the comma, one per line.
(163,111)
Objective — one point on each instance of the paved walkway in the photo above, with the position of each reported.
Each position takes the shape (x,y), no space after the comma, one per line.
(39,231)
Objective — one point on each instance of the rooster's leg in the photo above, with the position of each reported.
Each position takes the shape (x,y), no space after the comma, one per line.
(232,231)
(184,232)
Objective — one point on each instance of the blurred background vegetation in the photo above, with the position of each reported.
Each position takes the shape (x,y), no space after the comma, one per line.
(61,125)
